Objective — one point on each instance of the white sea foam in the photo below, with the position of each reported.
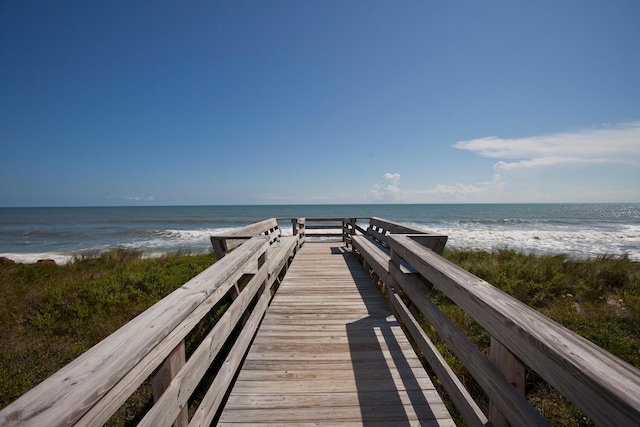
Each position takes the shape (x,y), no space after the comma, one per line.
(474,229)
(582,243)
(30,258)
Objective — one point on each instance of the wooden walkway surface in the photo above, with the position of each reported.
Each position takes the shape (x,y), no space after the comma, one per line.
(329,352)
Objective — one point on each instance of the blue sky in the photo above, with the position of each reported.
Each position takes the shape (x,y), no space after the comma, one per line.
(286,102)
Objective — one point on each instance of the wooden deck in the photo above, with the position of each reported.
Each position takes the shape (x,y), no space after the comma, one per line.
(329,352)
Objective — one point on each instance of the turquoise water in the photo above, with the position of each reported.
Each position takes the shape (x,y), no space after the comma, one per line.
(580,230)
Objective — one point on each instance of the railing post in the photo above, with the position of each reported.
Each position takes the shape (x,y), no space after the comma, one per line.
(302,231)
(294,226)
(345,231)
(219,247)
(350,230)
(513,369)
(163,376)
(394,259)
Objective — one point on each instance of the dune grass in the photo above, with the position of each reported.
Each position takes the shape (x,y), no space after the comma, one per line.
(51,314)
(597,298)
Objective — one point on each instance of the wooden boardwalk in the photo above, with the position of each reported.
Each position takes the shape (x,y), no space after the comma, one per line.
(329,352)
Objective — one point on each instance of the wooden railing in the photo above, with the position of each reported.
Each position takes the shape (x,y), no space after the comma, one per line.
(223,243)
(92,388)
(604,387)
(324,227)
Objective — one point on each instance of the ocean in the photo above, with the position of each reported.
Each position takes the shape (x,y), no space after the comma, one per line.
(578,230)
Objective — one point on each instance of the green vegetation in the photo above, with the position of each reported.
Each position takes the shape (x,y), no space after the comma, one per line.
(51,314)
(598,299)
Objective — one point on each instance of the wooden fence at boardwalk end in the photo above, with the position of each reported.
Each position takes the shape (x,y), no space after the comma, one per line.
(226,303)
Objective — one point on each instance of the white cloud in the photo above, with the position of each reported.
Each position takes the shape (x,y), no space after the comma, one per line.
(618,144)
(546,161)
(141,198)
(389,190)
(534,169)
(392,178)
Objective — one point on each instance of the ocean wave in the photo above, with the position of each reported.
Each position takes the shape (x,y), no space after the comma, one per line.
(576,242)
(499,221)
(30,258)
(531,236)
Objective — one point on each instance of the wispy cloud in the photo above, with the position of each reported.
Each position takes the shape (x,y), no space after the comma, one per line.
(141,198)
(613,144)
(389,190)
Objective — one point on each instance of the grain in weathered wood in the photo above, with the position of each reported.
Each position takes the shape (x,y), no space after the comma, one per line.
(460,396)
(95,385)
(214,396)
(373,423)
(377,257)
(330,352)
(393,227)
(163,377)
(512,404)
(604,387)
(514,371)
(175,397)
(350,399)
(222,243)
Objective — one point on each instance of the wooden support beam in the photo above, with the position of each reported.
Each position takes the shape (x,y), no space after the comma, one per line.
(163,376)
(513,369)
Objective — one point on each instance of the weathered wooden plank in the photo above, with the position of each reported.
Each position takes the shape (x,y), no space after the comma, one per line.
(337,227)
(211,401)
(225,242)
(330,385)
(123,360)
(329,350)
(377,257)
(269,325)
(319,338)
(163,377)
(316,373)
(364,365)
(175,397)
(604,387)
(460,396)
(334,423)
(514,371)
(399,413)
(314,400)
(327,347)
(393,227)
(511,403)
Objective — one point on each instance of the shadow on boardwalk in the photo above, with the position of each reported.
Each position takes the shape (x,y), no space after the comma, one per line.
(387,387)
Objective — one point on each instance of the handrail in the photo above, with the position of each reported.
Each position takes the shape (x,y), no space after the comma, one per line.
(92,387)
(320,223)
(348,227)
(222,243)
(604,387)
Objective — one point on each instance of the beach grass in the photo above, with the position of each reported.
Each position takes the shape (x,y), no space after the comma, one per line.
(51,314)
(597,298)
